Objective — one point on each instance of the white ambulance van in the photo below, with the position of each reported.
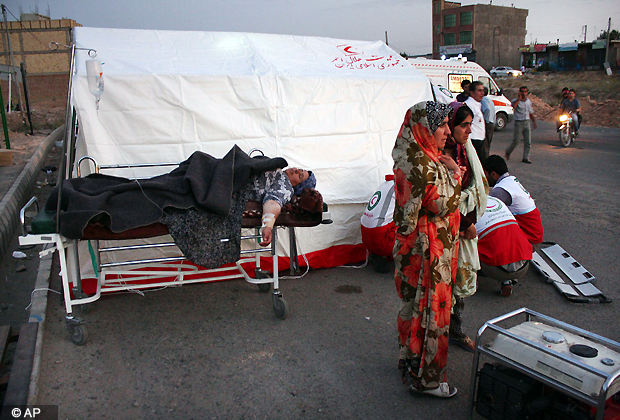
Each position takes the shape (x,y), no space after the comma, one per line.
(448,74)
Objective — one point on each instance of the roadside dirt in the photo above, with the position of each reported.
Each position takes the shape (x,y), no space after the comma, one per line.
(24,144)
(598,94)
(48,96)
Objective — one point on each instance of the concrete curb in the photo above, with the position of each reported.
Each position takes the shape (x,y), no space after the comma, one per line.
(37,314)
(20,191)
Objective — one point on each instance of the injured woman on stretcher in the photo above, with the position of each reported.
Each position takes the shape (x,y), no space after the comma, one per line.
(200,202)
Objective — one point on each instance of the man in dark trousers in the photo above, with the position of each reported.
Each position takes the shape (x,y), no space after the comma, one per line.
(524,112)
(488,111)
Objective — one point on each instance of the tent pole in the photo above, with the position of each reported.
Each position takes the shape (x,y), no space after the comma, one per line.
(65,170)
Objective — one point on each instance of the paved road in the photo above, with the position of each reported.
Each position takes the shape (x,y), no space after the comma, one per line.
(215,351)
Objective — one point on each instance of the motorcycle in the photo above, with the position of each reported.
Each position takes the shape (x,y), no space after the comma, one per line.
(566,129)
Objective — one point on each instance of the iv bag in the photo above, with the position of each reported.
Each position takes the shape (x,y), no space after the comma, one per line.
(94,74)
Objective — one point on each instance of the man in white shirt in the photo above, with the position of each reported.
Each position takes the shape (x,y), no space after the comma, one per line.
(488,110)
(478,129)
(523,114)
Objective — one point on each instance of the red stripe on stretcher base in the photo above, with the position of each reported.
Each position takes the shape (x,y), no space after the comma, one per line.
(331,257)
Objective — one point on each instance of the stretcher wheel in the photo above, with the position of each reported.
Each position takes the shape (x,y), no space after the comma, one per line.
(77,333)
(280,307)
(264,287)
(84,308)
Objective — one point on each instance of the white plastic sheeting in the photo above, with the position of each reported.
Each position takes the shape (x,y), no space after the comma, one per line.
(332,106)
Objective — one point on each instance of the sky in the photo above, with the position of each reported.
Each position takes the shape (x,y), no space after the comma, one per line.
(407,22)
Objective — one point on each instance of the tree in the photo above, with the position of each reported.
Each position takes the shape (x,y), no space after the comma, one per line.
(615,34)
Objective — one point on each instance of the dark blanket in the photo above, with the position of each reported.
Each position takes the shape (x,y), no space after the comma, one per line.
(201,182)
(199,234)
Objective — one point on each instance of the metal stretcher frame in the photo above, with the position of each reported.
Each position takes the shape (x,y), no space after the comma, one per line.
(111,276)
(74,298)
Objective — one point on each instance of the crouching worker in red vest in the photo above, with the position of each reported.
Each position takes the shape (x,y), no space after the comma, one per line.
(378,229)
(503,248)
(512,193)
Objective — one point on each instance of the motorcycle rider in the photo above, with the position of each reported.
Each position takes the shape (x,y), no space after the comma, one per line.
(572,105)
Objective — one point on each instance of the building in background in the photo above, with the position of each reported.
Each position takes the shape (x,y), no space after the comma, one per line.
(489,35)
(30,39)
(572,56)
(47,68)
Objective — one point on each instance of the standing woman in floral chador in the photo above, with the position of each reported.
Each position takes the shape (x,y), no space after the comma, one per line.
(426,249)
(474,191)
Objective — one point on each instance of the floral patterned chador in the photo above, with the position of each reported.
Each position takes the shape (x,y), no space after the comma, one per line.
(426,248)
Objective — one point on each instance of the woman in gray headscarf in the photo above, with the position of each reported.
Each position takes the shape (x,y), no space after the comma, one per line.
(274,189)
(426,250)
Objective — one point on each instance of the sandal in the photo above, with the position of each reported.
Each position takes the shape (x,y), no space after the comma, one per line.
(506,288)
(465,343)
(442,391)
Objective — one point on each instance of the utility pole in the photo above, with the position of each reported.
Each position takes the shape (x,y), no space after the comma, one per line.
(12,64)
(493,49)
(495,63)
(585,33)
(608,37)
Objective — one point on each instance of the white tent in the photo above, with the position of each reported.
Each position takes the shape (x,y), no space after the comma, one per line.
(332,106)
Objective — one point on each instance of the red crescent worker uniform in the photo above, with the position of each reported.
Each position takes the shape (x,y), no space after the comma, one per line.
(378,228)
(523,208)
(500,239)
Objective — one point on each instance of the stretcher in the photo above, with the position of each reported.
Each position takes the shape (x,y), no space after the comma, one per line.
(119,274)
(569,277)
